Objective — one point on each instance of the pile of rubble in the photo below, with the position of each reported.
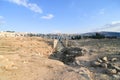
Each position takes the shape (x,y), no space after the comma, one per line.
(68,55)
(111,65)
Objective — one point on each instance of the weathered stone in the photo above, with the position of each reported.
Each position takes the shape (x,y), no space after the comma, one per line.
(99,60)
(117,68)
(55,43)
(104,65)
(86,76)
(116,77)
(112,71)
(114,59)
(95,63)
(68,54)
(118,73)
(77,62)
(99,76)
(105,59)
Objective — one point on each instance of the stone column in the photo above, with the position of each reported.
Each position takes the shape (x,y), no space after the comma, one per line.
(55,43)
(66,43)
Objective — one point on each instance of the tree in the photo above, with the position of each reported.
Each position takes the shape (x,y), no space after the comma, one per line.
(97,36)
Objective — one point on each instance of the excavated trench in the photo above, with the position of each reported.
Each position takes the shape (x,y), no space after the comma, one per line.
(68,55)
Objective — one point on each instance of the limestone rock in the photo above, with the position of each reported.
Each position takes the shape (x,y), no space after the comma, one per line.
(77,62)
(116,77)
(105,59)
(114,59)
(95,63)
(99,60)
(104,65)
(117,67)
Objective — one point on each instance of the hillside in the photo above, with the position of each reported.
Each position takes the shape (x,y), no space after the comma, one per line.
(26,58)
(33,58)
(105,33)
(25,45)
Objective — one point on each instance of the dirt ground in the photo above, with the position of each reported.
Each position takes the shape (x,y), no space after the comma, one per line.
(26,58)
(25,45)
(98,49)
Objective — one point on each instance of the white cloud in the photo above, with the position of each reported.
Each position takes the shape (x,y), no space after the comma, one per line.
(114,26)
(112,29)
(49,16)
(32,6)
(115,22)
(19,2)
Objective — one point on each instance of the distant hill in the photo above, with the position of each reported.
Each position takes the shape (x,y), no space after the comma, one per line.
(105,33)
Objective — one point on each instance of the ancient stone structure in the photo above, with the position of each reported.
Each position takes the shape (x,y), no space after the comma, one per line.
(55,42)
(68,54)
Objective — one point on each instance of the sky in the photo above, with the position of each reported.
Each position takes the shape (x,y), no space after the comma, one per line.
(60,16)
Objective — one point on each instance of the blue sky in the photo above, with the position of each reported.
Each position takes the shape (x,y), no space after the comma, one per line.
(66,16)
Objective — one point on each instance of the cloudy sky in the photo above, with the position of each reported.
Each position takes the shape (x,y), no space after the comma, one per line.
(66,16)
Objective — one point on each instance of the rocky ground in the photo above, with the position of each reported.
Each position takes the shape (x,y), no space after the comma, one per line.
(102,57)
(34,58)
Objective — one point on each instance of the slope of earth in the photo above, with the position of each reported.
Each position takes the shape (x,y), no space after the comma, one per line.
(16,67)
(26,58)
(25,45)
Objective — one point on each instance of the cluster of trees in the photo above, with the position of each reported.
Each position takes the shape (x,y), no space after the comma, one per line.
(77,37)
(96,36)
(10,31)
(99,36)
(73,37)
(37,35)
